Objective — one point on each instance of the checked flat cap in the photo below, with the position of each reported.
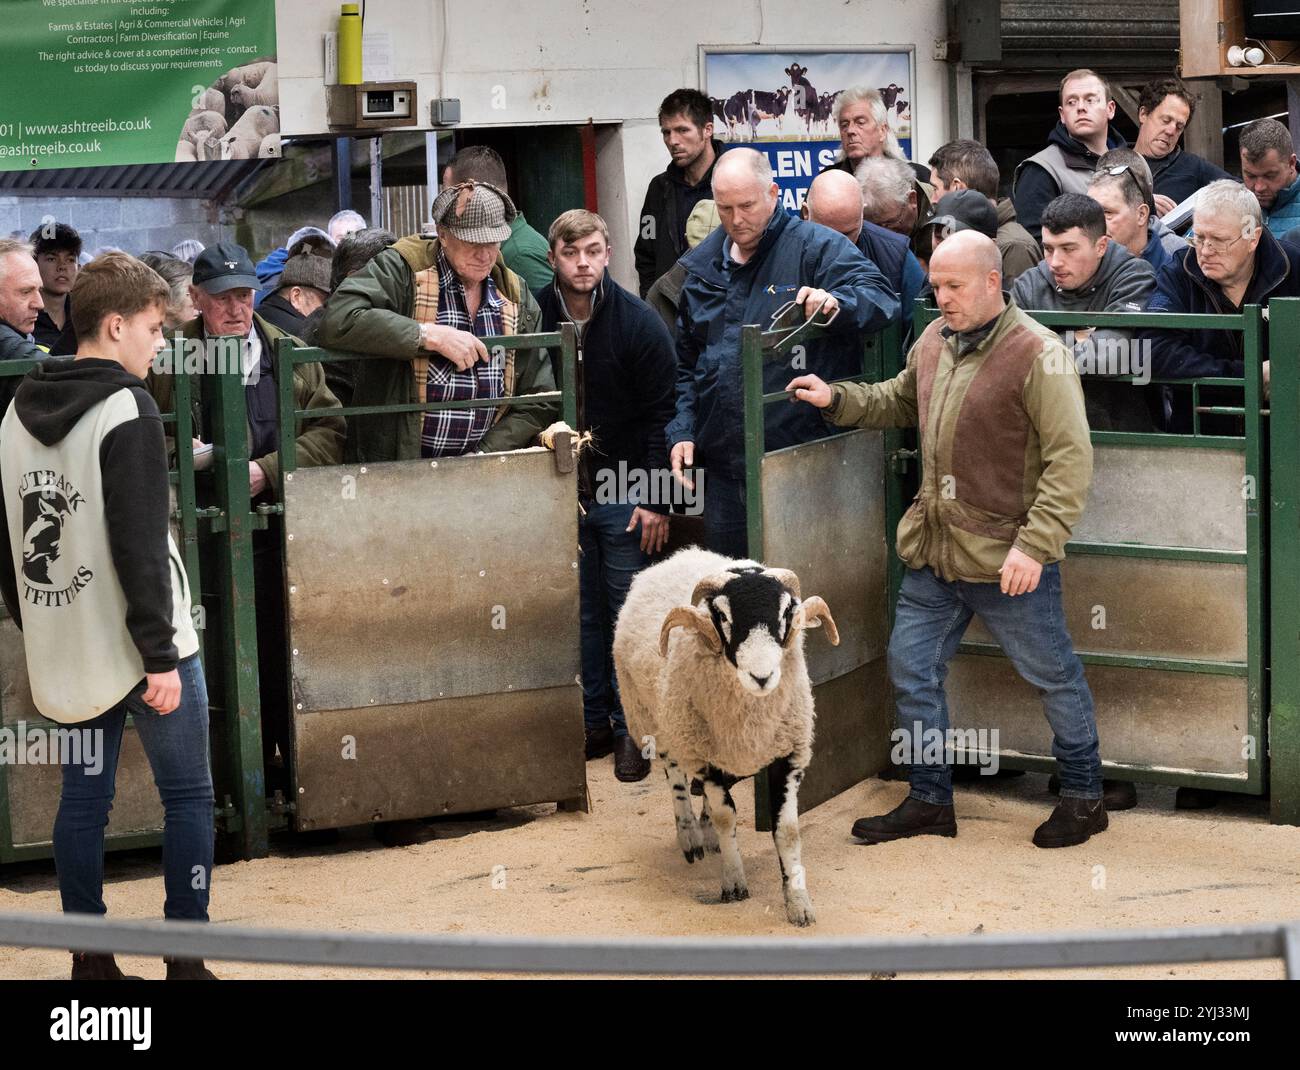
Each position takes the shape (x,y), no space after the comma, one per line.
(474,212)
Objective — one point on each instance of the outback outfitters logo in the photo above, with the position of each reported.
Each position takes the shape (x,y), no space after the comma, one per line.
(49,502)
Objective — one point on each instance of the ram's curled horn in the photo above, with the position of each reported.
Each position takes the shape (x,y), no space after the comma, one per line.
(787,578)
(813,612)
(710,585)
(688,617)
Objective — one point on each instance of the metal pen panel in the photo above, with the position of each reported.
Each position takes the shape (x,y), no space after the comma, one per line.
(439,579)
(1185,609)
(1179,495)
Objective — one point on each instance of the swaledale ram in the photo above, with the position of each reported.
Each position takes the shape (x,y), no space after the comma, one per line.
(710,662)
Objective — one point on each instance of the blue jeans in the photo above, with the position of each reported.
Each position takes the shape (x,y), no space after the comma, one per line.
(726,526)
(611,557)
(932,617)
(176,745)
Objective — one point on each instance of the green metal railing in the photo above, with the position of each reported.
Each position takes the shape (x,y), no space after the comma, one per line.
(1253,445)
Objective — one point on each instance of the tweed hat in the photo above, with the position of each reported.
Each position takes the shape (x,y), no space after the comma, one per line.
(307,269)
(475,212)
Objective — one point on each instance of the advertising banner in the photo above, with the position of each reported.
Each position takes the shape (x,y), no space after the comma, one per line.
(781,102)
(95,83)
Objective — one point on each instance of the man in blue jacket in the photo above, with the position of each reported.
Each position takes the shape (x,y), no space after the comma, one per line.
(740,274)
(1268,170)
(1233,261)
(625,381)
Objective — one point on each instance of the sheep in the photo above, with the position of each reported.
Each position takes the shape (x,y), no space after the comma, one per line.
(210,100)
(709,659)
(250,75)
(267,91)
(246,136)
(212,122)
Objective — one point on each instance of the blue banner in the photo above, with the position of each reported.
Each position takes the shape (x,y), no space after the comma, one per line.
(796,163)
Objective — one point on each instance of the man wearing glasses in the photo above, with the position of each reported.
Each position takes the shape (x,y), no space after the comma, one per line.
(1073,149)
(1233,261)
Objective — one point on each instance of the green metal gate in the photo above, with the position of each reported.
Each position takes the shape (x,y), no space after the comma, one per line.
(820,509)
(1165,595)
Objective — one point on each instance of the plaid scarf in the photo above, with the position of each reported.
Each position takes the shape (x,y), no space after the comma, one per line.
(456,432)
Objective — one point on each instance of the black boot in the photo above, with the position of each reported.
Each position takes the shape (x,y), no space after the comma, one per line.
(911,817)
(1119,794)
(93,966)
(600,742)
(1072,822)
(629,766)
(188,970)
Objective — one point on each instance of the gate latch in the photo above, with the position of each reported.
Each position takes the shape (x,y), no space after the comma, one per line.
(899,460)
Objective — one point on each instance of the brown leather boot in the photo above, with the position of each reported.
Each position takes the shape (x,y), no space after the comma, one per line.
(911,817)
(1072,822)
(94,966)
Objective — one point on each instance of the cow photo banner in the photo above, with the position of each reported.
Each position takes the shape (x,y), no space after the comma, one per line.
(779,101)
(94,83)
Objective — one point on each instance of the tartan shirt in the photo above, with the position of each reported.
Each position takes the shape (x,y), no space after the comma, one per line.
(456,432)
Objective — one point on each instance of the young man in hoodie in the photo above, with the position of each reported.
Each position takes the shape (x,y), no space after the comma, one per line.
(1084,271)
(627,374)
(95,582)
(1073,149)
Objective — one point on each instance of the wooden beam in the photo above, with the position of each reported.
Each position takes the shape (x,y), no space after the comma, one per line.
(1204,133)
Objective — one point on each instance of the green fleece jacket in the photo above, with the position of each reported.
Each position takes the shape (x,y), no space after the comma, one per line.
(1005,448)
(371,312)
(319,441)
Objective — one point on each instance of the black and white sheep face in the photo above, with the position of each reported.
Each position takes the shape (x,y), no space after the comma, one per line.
(753,614)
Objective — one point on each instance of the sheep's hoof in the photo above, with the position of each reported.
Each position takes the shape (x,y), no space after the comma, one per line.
(735,895)
(799,911)
(691,854)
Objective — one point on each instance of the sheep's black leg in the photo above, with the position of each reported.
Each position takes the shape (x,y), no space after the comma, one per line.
(784,779)
(722,811)
(688,832)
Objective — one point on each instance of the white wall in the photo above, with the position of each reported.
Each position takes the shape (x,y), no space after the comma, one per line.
(513,63)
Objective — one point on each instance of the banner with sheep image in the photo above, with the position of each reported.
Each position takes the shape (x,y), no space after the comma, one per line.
(96,83)
(780,102)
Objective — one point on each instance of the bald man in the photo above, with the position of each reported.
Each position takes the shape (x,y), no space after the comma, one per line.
(1006,462)
(835,201)
(759,259)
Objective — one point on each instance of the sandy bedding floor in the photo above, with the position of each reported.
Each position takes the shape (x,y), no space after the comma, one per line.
(617,871)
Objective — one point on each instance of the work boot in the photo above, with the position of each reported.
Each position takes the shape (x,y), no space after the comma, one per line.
(93,966)
(188,970)
(1072,822)
(629,766)
(600,742)
(1119,794)
(911,817)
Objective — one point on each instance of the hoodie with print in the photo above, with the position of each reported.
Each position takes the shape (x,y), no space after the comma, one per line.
(92,576)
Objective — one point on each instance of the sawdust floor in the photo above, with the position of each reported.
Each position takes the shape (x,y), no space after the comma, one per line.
(618,871)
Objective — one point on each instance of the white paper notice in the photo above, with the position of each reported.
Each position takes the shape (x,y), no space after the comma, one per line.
(377,56)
